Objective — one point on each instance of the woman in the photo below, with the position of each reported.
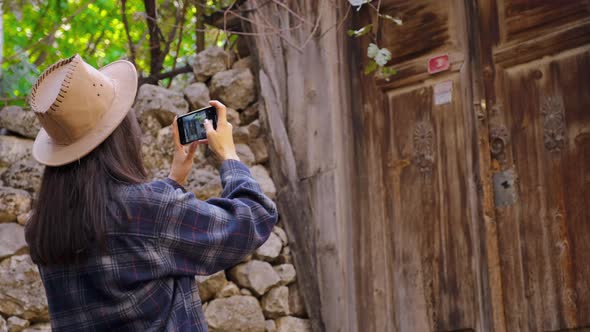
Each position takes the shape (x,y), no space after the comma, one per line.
(115,252)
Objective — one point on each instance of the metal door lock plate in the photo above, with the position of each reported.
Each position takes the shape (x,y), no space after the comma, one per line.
(505,188)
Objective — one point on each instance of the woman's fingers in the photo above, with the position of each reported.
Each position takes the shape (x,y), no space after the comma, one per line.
(192,149)
(221,111)
(182,161)
(175,135)
(221,140)
(208,127)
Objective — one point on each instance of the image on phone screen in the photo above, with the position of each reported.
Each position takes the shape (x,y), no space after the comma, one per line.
(191,126)
(194,127)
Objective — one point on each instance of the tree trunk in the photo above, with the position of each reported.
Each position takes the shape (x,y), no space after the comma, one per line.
(132,53)
(200,25)
(156,58)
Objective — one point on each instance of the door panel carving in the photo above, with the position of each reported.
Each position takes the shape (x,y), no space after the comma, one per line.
(544,238)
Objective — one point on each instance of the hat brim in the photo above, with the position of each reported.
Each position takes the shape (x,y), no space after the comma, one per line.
(124,76)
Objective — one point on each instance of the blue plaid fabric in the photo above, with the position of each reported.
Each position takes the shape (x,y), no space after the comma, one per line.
(159,237)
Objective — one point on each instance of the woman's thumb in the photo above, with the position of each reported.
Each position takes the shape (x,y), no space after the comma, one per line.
(208,126)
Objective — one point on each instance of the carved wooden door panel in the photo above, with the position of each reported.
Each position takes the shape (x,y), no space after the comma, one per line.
(417,243)
(536,69)
(474,183)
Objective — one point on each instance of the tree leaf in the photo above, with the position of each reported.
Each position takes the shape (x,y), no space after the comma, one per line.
(371,67)
(388,71)
(360,32)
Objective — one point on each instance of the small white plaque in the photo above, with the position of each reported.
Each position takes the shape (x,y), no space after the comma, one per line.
(443,93)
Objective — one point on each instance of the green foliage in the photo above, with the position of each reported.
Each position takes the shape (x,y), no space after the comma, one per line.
(38,33)
(19,79)
(378,57)
(360,32)
(214,5)
(388,71)
(371,67)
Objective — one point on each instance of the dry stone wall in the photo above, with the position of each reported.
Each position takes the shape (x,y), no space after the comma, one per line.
(259,294)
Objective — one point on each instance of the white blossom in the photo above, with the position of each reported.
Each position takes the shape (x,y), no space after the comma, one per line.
(358,3)
(372,50)
(382,57)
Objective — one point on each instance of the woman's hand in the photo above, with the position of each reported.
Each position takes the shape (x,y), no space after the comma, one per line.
(182,163)
(221,140)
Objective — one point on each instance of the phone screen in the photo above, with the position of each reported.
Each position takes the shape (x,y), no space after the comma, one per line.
(191,126)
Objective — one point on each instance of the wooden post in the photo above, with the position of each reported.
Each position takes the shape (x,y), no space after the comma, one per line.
(305,96)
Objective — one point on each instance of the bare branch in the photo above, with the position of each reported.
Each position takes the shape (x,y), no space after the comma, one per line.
(313,30)
(272,30)
(237,3)
(179,43)
(279,31)
(179,19)
(132,55)
(153,79)
(290,11)
(141,40)
(225,24)
(91,47)
(43,51)
(338,25)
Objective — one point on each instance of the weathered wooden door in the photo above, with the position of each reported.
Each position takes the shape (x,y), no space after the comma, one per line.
(536,73)
(418,245)
(474,182)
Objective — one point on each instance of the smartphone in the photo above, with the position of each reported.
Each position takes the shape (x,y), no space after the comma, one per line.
(191,126)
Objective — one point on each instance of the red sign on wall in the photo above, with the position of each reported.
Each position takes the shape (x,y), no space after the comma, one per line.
(438,63)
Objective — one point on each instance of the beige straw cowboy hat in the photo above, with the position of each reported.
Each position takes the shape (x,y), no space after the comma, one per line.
(79,107)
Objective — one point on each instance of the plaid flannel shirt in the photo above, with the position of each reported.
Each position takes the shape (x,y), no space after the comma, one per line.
(159,237)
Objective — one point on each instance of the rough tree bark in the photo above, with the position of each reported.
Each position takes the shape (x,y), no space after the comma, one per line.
(154,32)
(304,81)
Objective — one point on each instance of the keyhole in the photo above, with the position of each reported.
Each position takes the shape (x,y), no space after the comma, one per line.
(506,184)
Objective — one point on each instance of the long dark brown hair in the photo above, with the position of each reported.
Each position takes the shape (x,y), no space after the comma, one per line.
(70,213)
